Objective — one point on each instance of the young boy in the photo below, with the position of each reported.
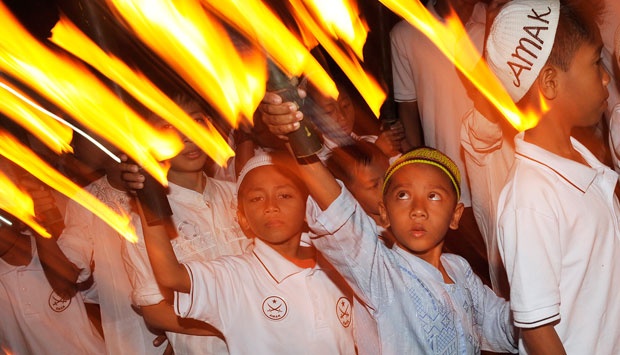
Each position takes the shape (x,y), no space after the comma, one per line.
(34,318)
(361,166)
(278,296)
(436,298)
(337,120)
(88,249)
(204,228)
(558,213)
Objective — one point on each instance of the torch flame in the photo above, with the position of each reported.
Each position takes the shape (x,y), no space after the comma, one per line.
(15,104)
(28,160)
(341,19)
(261,26)
(451,39)
(365,84)
(66,35)
(19,204)
(72,87)
(200,51)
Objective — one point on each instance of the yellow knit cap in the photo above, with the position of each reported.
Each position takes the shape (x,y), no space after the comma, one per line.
(430,156)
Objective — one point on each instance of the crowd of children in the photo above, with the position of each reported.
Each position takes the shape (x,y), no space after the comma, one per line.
(348,251)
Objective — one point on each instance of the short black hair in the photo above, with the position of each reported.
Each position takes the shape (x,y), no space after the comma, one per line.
(576,26)
(343,159)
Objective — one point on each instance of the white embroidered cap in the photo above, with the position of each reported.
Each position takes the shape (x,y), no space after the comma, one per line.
(520,41)
(260,159)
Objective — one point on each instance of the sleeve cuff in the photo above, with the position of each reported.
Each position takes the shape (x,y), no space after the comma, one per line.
(183,302)
(537,318)
(330,220)
(485,135)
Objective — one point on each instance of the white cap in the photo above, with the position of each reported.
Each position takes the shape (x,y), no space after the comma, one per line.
(260,159)
(520,41)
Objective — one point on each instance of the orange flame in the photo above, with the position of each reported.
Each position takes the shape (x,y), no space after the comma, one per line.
(28,160)
(66,35)
(259,24)
(341,19)
(451,38)
(200,51)
(19,204)
(365,84)
(72,87)
(15,104)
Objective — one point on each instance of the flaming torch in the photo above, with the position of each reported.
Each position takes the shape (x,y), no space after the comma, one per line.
(304,141)
(451,38)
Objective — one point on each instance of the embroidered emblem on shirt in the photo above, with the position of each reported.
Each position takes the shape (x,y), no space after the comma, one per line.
(275,308)
(57,303)
(343,311)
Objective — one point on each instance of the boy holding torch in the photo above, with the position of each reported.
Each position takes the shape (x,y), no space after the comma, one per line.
(558,214)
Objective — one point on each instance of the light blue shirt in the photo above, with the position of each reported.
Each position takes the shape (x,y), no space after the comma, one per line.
(416,311)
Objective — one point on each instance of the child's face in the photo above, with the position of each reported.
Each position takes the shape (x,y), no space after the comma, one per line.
(584,86)
(191,158)
(367,185)
(420,205)
(272,206)
(341,110)
(348,111)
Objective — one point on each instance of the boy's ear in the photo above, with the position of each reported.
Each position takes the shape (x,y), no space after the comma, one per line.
(548,82)
(385,220)
(243,222)
(456,216)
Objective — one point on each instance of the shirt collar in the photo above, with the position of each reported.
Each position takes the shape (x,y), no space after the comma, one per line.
(576,174)
(185,194)
(421,268)
(277,266)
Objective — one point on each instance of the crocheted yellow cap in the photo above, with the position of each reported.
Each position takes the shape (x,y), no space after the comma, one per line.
(430,156)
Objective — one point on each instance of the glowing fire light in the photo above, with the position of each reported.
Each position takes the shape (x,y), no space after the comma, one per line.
(66,35)
(451,38)
(53,134)
(200,51)
(259,24)
(342,20)
(28,160)
(71,86)
(40,109)
(5,221)
(19,204)
(366,85)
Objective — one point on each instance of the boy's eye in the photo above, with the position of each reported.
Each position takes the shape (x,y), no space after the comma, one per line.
(285,196)
(402,195)
(200,120)
(433,196)
(255,198)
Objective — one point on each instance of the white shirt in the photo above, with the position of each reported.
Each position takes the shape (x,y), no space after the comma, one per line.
(488,158)
(207,228)
(35,320)
(422,73)
(265,304)
(87,238)
(558,235)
